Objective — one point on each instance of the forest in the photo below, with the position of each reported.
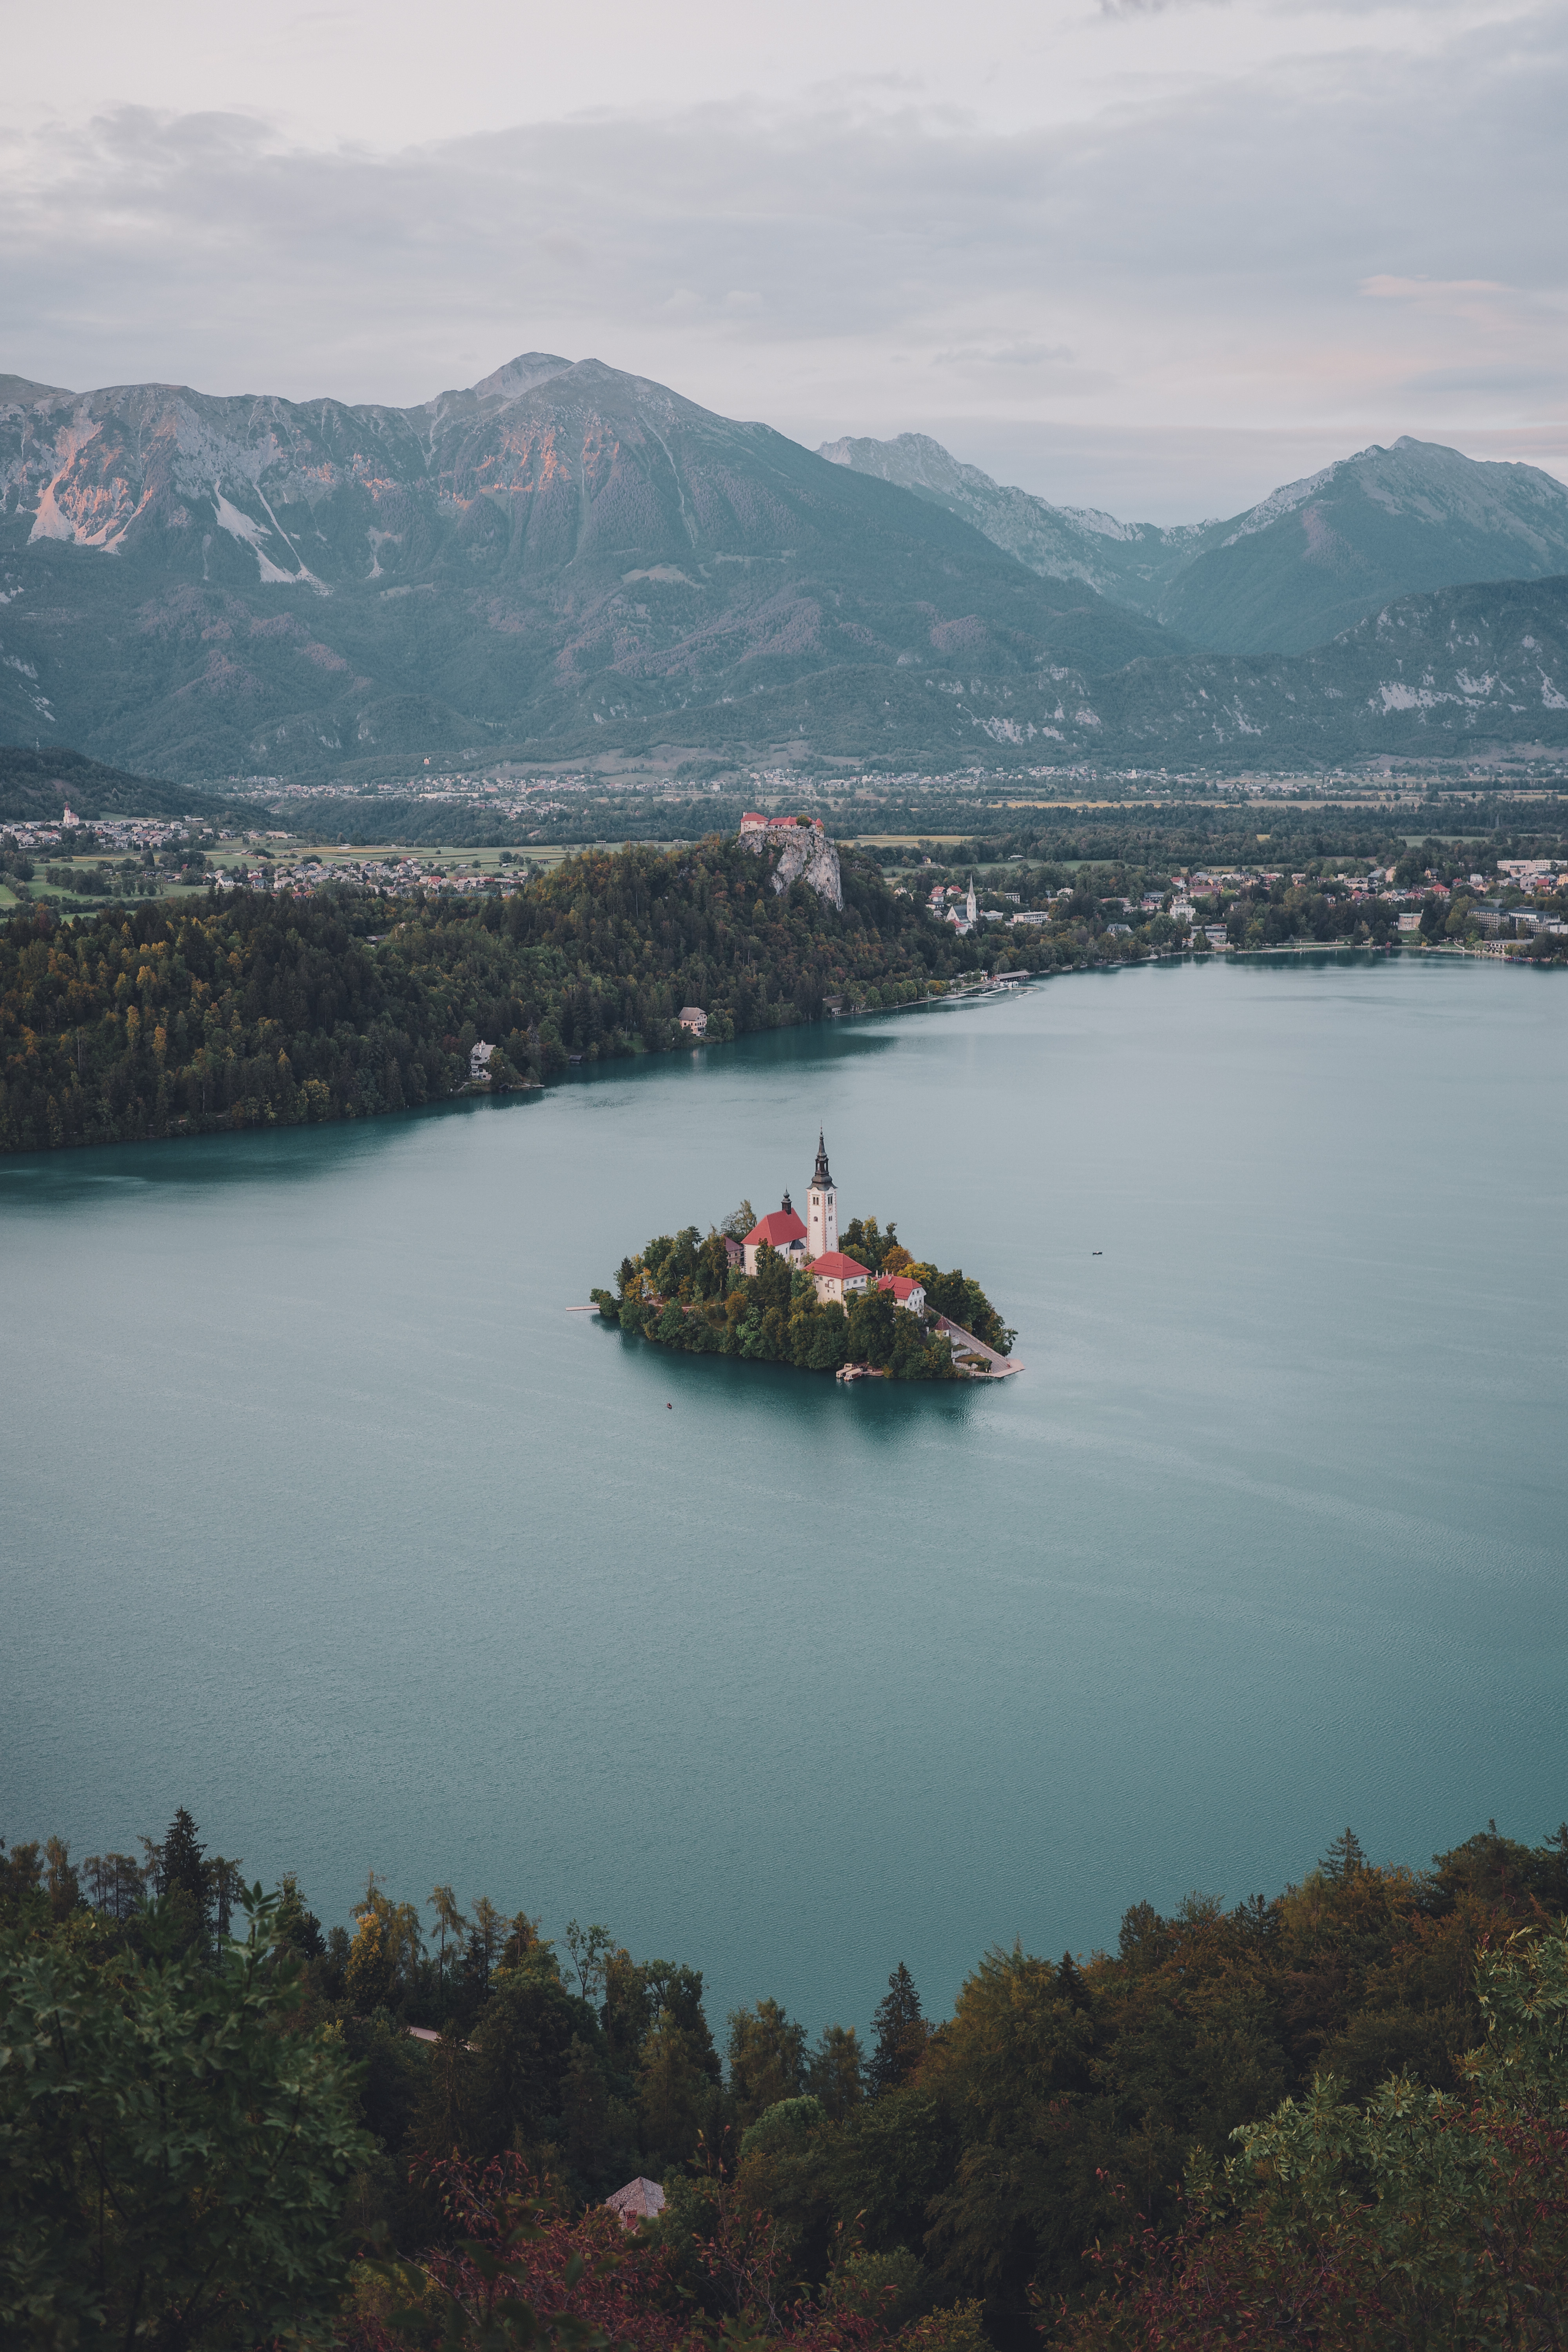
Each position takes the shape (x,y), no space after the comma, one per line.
(255,1009)
(250,1011)
(683,1291)
(1333,2117)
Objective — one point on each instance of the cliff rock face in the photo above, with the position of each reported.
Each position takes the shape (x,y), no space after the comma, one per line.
(806,857)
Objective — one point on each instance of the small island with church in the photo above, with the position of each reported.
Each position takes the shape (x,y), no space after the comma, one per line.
(780,1291)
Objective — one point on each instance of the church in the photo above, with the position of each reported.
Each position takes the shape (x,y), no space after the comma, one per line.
(814,1244)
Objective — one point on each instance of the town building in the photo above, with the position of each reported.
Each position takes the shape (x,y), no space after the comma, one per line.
(693,1017)
(815,1244)
(821,1207)
(838,1277)
(753,823)
(784,1234)
(904,1291)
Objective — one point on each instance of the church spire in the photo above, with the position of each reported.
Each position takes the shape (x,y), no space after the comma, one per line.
(819,1174)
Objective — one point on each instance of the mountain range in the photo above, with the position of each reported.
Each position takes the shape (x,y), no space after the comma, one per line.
(565,558)
(1307,562)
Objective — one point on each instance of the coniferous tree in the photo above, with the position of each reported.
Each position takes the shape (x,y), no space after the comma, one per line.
(184,1880)
(901,2032)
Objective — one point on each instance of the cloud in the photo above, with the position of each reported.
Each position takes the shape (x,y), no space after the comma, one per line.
(1431,289)
(1153,7)
(1279,250)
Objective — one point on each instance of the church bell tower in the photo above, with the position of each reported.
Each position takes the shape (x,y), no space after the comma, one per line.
(821,1208)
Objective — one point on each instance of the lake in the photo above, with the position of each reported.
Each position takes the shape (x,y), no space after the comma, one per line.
(321,1515)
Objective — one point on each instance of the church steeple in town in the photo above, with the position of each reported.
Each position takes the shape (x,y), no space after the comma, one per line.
(821,1208)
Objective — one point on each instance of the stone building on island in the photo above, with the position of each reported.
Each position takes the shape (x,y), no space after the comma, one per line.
(815,1246)
(784,1234)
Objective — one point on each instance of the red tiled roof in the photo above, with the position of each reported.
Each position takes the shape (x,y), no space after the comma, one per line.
(900,1285)
(783,1226)
(837,1267)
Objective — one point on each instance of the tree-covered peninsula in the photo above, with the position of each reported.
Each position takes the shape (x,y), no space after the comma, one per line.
(686,1291)
(254,1009)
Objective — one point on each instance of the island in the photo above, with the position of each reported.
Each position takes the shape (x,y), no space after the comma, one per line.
(780,1291)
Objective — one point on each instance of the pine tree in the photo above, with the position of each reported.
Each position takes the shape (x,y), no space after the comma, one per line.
(184,1879)
(901,2032)
(1344,1859)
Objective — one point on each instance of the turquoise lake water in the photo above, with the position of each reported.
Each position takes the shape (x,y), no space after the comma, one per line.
(321,1516)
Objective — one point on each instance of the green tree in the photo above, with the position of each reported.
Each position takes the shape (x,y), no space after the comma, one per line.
(871,1332)
(524,2034)
(902,2034)
(771,1282)
(172,2165)
(63,1885)
(828,1344)
(836,2073)
(590,1949)
(674,2095)
(767,2058)
(297,1927)
(450,1923)
(183,1879)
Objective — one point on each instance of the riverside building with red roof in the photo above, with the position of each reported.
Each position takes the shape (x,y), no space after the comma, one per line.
(783,1231)
(838,1277)
(815,1244)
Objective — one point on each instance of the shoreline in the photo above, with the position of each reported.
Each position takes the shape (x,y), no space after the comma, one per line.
(988,990)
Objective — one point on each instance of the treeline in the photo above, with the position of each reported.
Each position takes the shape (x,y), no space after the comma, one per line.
(1286,833)
(683,1291)
(250,1011)
(1060,2155)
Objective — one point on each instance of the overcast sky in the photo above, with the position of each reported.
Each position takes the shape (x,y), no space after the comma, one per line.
(1152,255)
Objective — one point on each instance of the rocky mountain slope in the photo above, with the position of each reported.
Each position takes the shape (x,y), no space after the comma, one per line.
(1311,559)
(561,556)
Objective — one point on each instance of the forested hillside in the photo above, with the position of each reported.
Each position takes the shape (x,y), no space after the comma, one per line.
(250,1009)
(1361,2080)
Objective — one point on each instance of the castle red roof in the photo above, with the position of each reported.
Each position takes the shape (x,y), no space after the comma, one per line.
(839,1268)
(782,1226)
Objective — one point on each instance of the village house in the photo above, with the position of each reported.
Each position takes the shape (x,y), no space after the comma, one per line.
(693,1018)
(838,1277)
(904,1291)
(640,2201)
